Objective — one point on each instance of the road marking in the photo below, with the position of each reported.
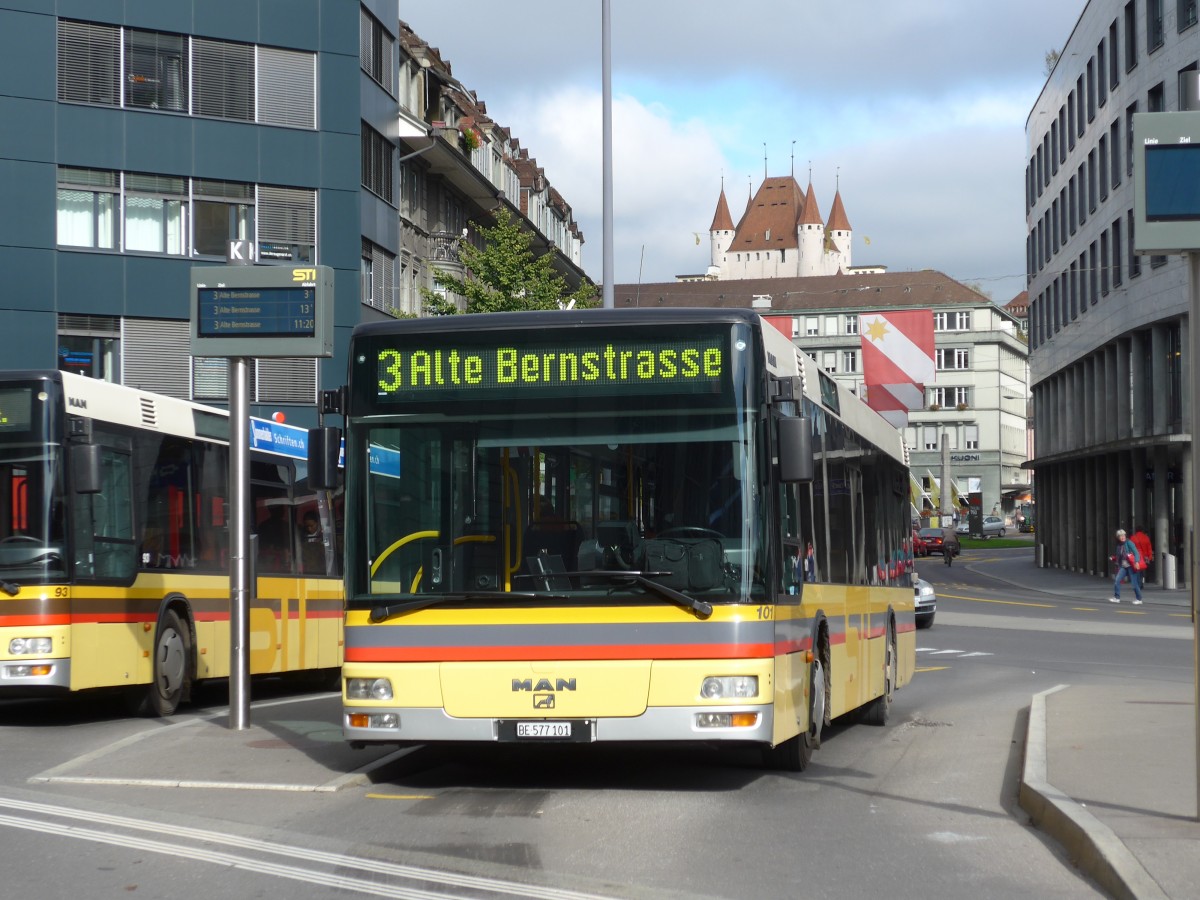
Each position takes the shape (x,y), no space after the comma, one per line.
(401,797)
(1086,608)
(976,653)
(930,668)
(1129,612)
(195,842)
(1002,602)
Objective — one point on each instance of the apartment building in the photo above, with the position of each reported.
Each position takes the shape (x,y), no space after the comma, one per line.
(1107,326)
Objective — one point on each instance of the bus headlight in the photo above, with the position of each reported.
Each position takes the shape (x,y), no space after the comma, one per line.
(30,646)
(373,720)
(727,720)
(729,686)
(368,689)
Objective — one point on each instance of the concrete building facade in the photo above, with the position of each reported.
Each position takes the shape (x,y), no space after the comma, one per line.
(1108,327)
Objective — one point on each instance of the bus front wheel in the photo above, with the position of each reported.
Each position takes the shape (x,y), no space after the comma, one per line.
(878,710)
(172,668)
(794,754)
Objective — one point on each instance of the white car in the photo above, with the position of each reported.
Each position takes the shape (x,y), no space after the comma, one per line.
(925,601)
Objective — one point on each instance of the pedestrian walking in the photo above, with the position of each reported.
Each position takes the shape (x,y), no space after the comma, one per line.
(1128,561)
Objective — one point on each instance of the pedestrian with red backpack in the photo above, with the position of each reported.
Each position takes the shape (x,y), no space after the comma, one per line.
(1129,566)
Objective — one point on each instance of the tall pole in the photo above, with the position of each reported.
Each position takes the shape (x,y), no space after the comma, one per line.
(947,499)
(1193,368)
(607,180)
(240,568)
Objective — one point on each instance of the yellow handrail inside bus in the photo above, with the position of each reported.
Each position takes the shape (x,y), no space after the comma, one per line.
(419,535)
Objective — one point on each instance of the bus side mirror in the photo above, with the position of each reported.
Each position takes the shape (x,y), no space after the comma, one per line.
(795,450)
(324,447)
(85,468)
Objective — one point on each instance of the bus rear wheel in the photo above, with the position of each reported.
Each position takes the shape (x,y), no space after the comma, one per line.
(172,668)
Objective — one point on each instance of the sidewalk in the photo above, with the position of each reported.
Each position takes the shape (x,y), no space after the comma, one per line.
(1110,772)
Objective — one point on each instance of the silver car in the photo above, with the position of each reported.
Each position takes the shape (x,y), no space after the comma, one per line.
(925,601)
(993,526)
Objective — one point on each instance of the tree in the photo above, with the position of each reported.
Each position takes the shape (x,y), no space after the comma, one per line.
(506,275)
(1051,61)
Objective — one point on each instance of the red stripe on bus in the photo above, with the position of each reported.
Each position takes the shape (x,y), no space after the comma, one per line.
(511,654)
(28,621)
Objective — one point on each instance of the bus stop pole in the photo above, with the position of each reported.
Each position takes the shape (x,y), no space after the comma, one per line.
(240,568)
(1193,267)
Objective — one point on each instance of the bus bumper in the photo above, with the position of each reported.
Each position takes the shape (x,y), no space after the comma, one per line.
(27,674)
(700,723)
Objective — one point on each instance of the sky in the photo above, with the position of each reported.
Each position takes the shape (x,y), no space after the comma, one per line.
(914,110)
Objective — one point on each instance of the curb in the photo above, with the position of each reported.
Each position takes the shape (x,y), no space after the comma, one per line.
(1091,845)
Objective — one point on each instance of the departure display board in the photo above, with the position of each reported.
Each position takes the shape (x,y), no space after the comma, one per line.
(262,311)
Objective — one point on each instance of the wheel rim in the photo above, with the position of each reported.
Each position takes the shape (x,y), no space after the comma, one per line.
(171,662)
(889,674)
(818,700)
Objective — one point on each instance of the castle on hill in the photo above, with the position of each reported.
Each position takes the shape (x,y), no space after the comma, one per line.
(780,235)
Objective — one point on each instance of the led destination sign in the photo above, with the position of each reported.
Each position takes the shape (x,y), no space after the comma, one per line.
(257,312)
(601,366)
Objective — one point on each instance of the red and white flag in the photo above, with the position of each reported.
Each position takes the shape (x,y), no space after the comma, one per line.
(897,349)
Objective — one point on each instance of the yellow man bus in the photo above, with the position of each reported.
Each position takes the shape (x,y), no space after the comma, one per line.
(114,544)
(616,525)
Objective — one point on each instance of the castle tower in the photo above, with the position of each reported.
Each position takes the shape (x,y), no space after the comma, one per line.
(839,239)
(810,235)
(720,233)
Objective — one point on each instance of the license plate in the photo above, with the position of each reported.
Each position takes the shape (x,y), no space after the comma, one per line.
(559,730)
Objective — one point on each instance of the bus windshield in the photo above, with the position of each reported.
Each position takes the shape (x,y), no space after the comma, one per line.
(562,502)
(31,512)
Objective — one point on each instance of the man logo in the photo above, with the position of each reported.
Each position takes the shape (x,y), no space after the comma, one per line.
(543,684)
(543,701)
(302,275)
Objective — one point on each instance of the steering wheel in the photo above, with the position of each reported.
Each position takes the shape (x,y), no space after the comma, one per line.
(691,531)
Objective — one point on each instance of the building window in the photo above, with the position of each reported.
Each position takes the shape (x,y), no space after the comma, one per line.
(377,153)
(1101,74)
(1102,172)
(849,360)
(103,64)
(829,361)
(812,326)
(1130,110)
(375,50)
(1104,264)
(953,357)
(970,437)
(87,208)
(156,74)
(851,324)
(88,63)
(929,440)
(287,224)
(1116,253)
(378,277)
(795,326)
(831,326)
(949,397)
(1114,142)
(155,214)
(90,345)
(1130,36)
(1185,13)
(1114,66)
(1154,25)
(287,92)
(222,211)
(223,79)
(959,320)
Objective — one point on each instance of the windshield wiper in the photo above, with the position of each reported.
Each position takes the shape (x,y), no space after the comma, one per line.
(701,608)
(384,612)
